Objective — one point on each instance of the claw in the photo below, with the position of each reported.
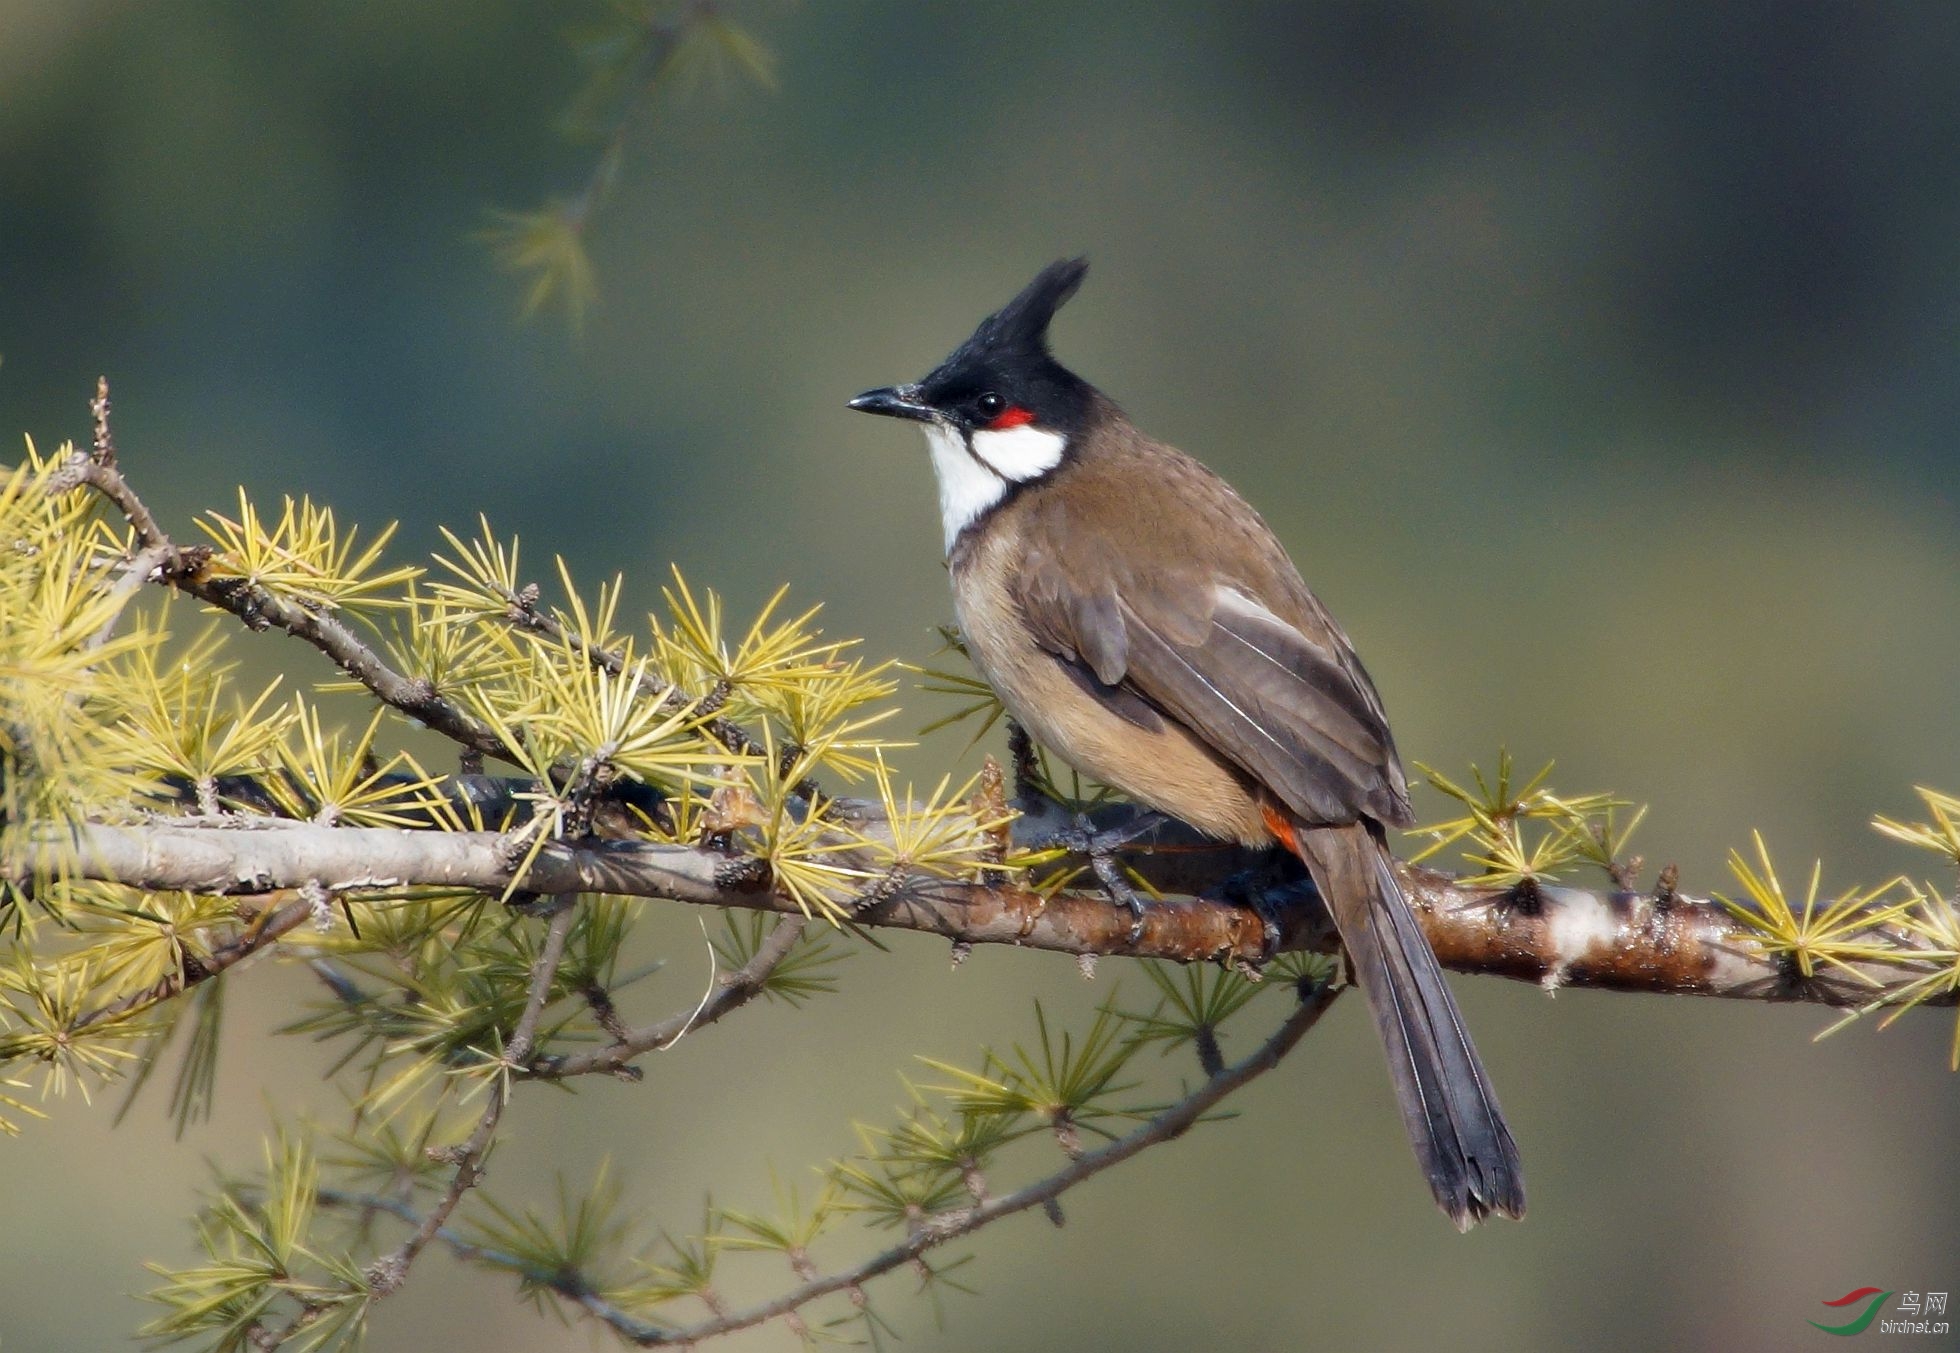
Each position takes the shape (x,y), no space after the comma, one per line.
(1268,915)
(1110,874)
(1101,848)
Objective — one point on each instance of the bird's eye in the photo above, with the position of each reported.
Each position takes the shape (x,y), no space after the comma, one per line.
(990,405)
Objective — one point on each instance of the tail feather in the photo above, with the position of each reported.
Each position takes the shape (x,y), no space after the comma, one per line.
(1454,1123)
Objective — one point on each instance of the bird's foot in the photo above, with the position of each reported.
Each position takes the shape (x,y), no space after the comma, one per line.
(1101,848)
(1268,913)
(1109,873)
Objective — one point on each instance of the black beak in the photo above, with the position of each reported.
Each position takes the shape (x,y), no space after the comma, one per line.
(895,401)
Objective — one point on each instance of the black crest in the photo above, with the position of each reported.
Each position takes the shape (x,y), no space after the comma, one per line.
(1008,357)
(1021,326)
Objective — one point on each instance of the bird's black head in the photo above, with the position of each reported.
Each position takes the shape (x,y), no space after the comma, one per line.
(1000,414)
(1003,377)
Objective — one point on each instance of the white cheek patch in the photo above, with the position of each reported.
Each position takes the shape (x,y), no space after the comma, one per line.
(1021,453)
(970,482)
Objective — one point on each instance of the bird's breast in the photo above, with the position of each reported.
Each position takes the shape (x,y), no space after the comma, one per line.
(1168,767)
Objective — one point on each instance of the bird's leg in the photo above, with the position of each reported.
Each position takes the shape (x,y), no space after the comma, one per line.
(1109,873)
(1101,847)
(1269,912)
(1272,889)
(1081,837)
(1027,769)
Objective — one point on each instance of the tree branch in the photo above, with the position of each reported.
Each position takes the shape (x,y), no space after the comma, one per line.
(732,991)
(1565,937)
(464,1248)
(387,1274)
(158,559)
(1166,1126)
(281,918)
(933,1232)
(258,607)
(524,614)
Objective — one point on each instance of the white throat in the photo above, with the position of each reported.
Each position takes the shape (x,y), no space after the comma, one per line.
(972,481)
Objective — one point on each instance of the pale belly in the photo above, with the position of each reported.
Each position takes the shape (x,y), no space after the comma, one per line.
(1168,768)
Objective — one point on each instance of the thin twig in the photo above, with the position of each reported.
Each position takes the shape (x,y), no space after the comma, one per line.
(141,568)
(524,612)
(262,932)
(555,1278)
(387,1274)
(259,607)
(732,991)
(935,1231)
(1166,1126)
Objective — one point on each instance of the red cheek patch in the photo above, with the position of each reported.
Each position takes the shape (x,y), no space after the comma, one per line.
(1014,416)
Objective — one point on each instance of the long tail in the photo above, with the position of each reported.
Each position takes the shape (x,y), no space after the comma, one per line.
(1454,1123)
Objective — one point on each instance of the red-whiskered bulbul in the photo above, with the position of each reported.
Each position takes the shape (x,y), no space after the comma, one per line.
(1139,619)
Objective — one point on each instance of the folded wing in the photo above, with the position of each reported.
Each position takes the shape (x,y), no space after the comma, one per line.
(1285,700)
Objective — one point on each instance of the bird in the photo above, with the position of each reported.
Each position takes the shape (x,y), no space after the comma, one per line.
(1139,619)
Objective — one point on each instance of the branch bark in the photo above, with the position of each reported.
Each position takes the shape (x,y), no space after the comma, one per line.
(1567,936)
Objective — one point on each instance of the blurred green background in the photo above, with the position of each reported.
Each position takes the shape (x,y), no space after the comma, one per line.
(1598,364)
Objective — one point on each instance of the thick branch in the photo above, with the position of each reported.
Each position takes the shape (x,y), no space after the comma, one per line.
(1574,937)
